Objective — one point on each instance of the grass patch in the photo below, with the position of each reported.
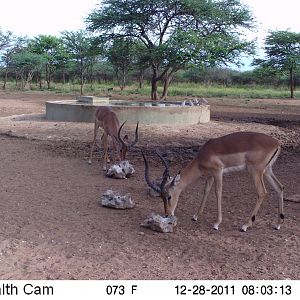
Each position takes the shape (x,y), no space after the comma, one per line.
(175,89)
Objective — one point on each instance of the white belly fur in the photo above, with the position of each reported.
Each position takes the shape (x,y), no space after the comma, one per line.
(234,169)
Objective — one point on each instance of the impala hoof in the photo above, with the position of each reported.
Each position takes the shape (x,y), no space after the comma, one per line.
(243,228)
(216,226)
(276,227)
(195,218)
(89,162)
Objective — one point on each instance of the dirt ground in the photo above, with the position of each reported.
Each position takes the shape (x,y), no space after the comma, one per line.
(52,226)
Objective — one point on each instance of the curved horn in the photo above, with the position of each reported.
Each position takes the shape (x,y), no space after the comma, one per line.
(136,136)
(151,184)
(119,134)
(166,173)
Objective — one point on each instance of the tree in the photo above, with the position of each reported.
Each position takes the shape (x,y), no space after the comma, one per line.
(50,47)
(81,48)
(121,55)
(175,33)
(15,45)
(25,63)
(6,42)
(282,53)
(5,39)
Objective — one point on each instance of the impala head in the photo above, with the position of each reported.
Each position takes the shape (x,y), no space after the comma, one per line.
(123,142)
(167,188)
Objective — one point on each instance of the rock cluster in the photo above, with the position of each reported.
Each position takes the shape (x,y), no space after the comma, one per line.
(194,102)
(161,224)
(122,170)
(115,200)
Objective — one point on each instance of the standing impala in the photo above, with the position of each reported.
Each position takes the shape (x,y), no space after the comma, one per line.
(253,151)
(107,119)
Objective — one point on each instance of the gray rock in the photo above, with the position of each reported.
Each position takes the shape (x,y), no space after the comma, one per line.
(161,224)
(122,170)
(194,102)
(115,200)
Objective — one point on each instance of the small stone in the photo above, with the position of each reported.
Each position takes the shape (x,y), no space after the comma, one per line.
(114,200)
(122,170)
(161,224)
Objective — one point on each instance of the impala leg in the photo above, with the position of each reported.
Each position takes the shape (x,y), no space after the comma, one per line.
(262,192)
(278,187)
(115,150)
(208,185)
(105,148)
(218,178)
(104,140)
(96,127)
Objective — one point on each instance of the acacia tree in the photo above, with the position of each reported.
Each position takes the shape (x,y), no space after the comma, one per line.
(282,54)
(81,48)
(176,32)
(6,47)
(120,55)
(25,64)
(50,47)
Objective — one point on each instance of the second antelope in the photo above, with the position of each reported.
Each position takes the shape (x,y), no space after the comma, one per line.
(253,151)
(107,119)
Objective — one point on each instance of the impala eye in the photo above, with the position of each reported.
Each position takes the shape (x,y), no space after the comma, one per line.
(169,198)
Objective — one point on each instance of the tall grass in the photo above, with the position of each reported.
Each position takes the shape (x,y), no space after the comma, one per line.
(216,91)
(191,89)
(175,89)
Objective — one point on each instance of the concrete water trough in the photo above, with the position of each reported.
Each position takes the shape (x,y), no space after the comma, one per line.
(146,112)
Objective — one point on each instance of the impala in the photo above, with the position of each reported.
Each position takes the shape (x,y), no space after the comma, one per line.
(107,119)
(253,151)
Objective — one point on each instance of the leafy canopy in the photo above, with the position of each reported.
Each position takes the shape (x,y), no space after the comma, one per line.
(283,49)
(177,31)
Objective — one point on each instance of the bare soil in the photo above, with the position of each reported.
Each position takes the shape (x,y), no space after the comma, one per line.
(52,226)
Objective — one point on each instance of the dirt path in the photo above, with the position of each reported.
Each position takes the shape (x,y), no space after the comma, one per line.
(52,226)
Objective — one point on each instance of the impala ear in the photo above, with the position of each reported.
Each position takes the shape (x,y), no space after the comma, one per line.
(176,180)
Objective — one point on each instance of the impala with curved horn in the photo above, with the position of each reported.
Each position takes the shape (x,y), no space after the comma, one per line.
(256,152)
(107,119)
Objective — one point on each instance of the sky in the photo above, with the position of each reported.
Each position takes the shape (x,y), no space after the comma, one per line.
(274,15)
(33,17)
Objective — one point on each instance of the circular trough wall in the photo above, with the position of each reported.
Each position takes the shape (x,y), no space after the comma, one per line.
(168,113)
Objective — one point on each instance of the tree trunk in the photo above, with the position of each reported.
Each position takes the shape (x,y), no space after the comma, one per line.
(123,80)
(167,81)
(154,94)
(141,78)
(81,77)
(64,75)
(92,76)
(40,81)
(5,78)
(27,85)
(292,83)
(16,78)
(48,76)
